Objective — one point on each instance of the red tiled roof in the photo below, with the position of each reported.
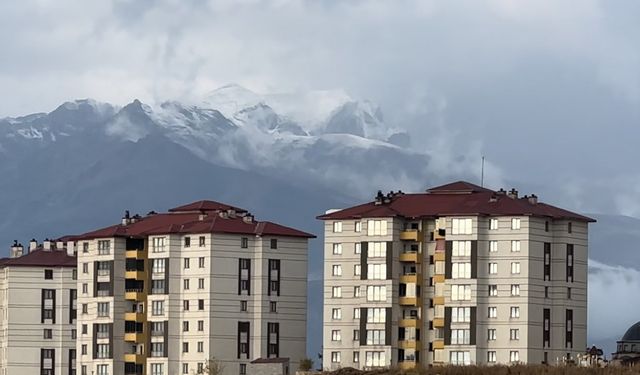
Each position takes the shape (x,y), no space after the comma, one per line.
(271,360)
(205,206)
(459,198)
(41,258)
(189,222)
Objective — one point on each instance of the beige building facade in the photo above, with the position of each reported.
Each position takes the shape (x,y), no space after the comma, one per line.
(457,275)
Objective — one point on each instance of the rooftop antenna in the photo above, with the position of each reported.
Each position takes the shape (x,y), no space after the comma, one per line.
(482,173)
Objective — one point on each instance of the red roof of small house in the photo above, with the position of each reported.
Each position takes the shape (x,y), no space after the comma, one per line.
(458,198)
(205,206)
(41,258)
(184,220)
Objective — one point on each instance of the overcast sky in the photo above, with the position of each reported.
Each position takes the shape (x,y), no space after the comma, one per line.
(547,90)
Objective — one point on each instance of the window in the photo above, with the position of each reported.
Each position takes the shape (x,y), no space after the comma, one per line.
(460,314)
(515,290)
(458,358)
(460,336)
(185,284)
(514,356)
(85,288)
(84,329)
(85,308)
(158,265)
(335,335)
(200,283)
(48,274)
(493,312)
(243,305)
(461,271)
(377,250)
(515,268)
(335,357)
(157,349)
(201,368)
(514,334)
(376,293)
(104,370)
(356,357)
(569,268)
(568,293)
(104,247)
(85,247)
(337,248)
(102,350)
(158,245)
(569,227)
(187,242)
(356,313)
(546,292)
(493,268)
(273,306)
(491,357)
(74,274)
(201,241)
(48,333)
(243,369)
(515,312)
(336,314)
(200,346)
(491,334)
(356,270)
(185,347)
(358,226)
(493,224)
(185,305)
(200,304)
(157,308)
(515,246)
(157,286)
(274,243)
(357,249)
(186,263)
(461,226)
(460,292)
(376,227)
(515,223)
(157,369)
(376,315)
(337,227)
(83,349)
(376,337)
(336,292)
(244,242)
(493,290)
(185,368)
(185,326)
(85,267)
(201,262)
(375,359)
(103,309)
(376,272)
(461,248)
(356,335)
(356,292)
(200,325)
(336,270)
(546,226)
(493,246)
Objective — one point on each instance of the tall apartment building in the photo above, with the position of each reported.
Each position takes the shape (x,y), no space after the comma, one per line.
(164,293)
(38,310)
(457,275)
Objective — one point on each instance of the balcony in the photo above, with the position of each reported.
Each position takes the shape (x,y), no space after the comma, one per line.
(438,322)
(133,294)
(410,256)
(135,316)
(410,322)
(410,278)
(137,337)
(135,254)
(439,256)
(438,300)
(408,301)
(411,235)
(135,274)
(438,279)
(409,344)
(134,358)
(438,344)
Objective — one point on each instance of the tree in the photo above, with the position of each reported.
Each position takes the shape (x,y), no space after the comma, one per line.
(213,367)
(306,364)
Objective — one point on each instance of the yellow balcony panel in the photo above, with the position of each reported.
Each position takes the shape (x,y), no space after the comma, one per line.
(134,358)
(409,279)
(134,295)
(411,235)
(136,317)
(438,256)
(406,365)
(438,344)
(134,337)
(438,300)
(438,322)
(415,323)
(409,344)
(410,257)
(135,254)
(438,279)
(408,301)
(137,275)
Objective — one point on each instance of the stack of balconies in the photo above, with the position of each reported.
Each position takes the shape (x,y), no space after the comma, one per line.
(135,315)
(409,298)
(438,281)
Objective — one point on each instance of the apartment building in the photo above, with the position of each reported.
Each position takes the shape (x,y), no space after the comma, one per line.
(38,310)
(457,275)
(164,293)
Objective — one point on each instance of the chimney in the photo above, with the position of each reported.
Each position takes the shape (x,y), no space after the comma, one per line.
(231,213)
(248,218)
(513,194)
(379,198)
(16,250)
(501,192)
(59,245)
(46,245)
(71,248)
(135,218)
(33,244)
(533,199)
(126,219)
(222,214)
(202,216)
